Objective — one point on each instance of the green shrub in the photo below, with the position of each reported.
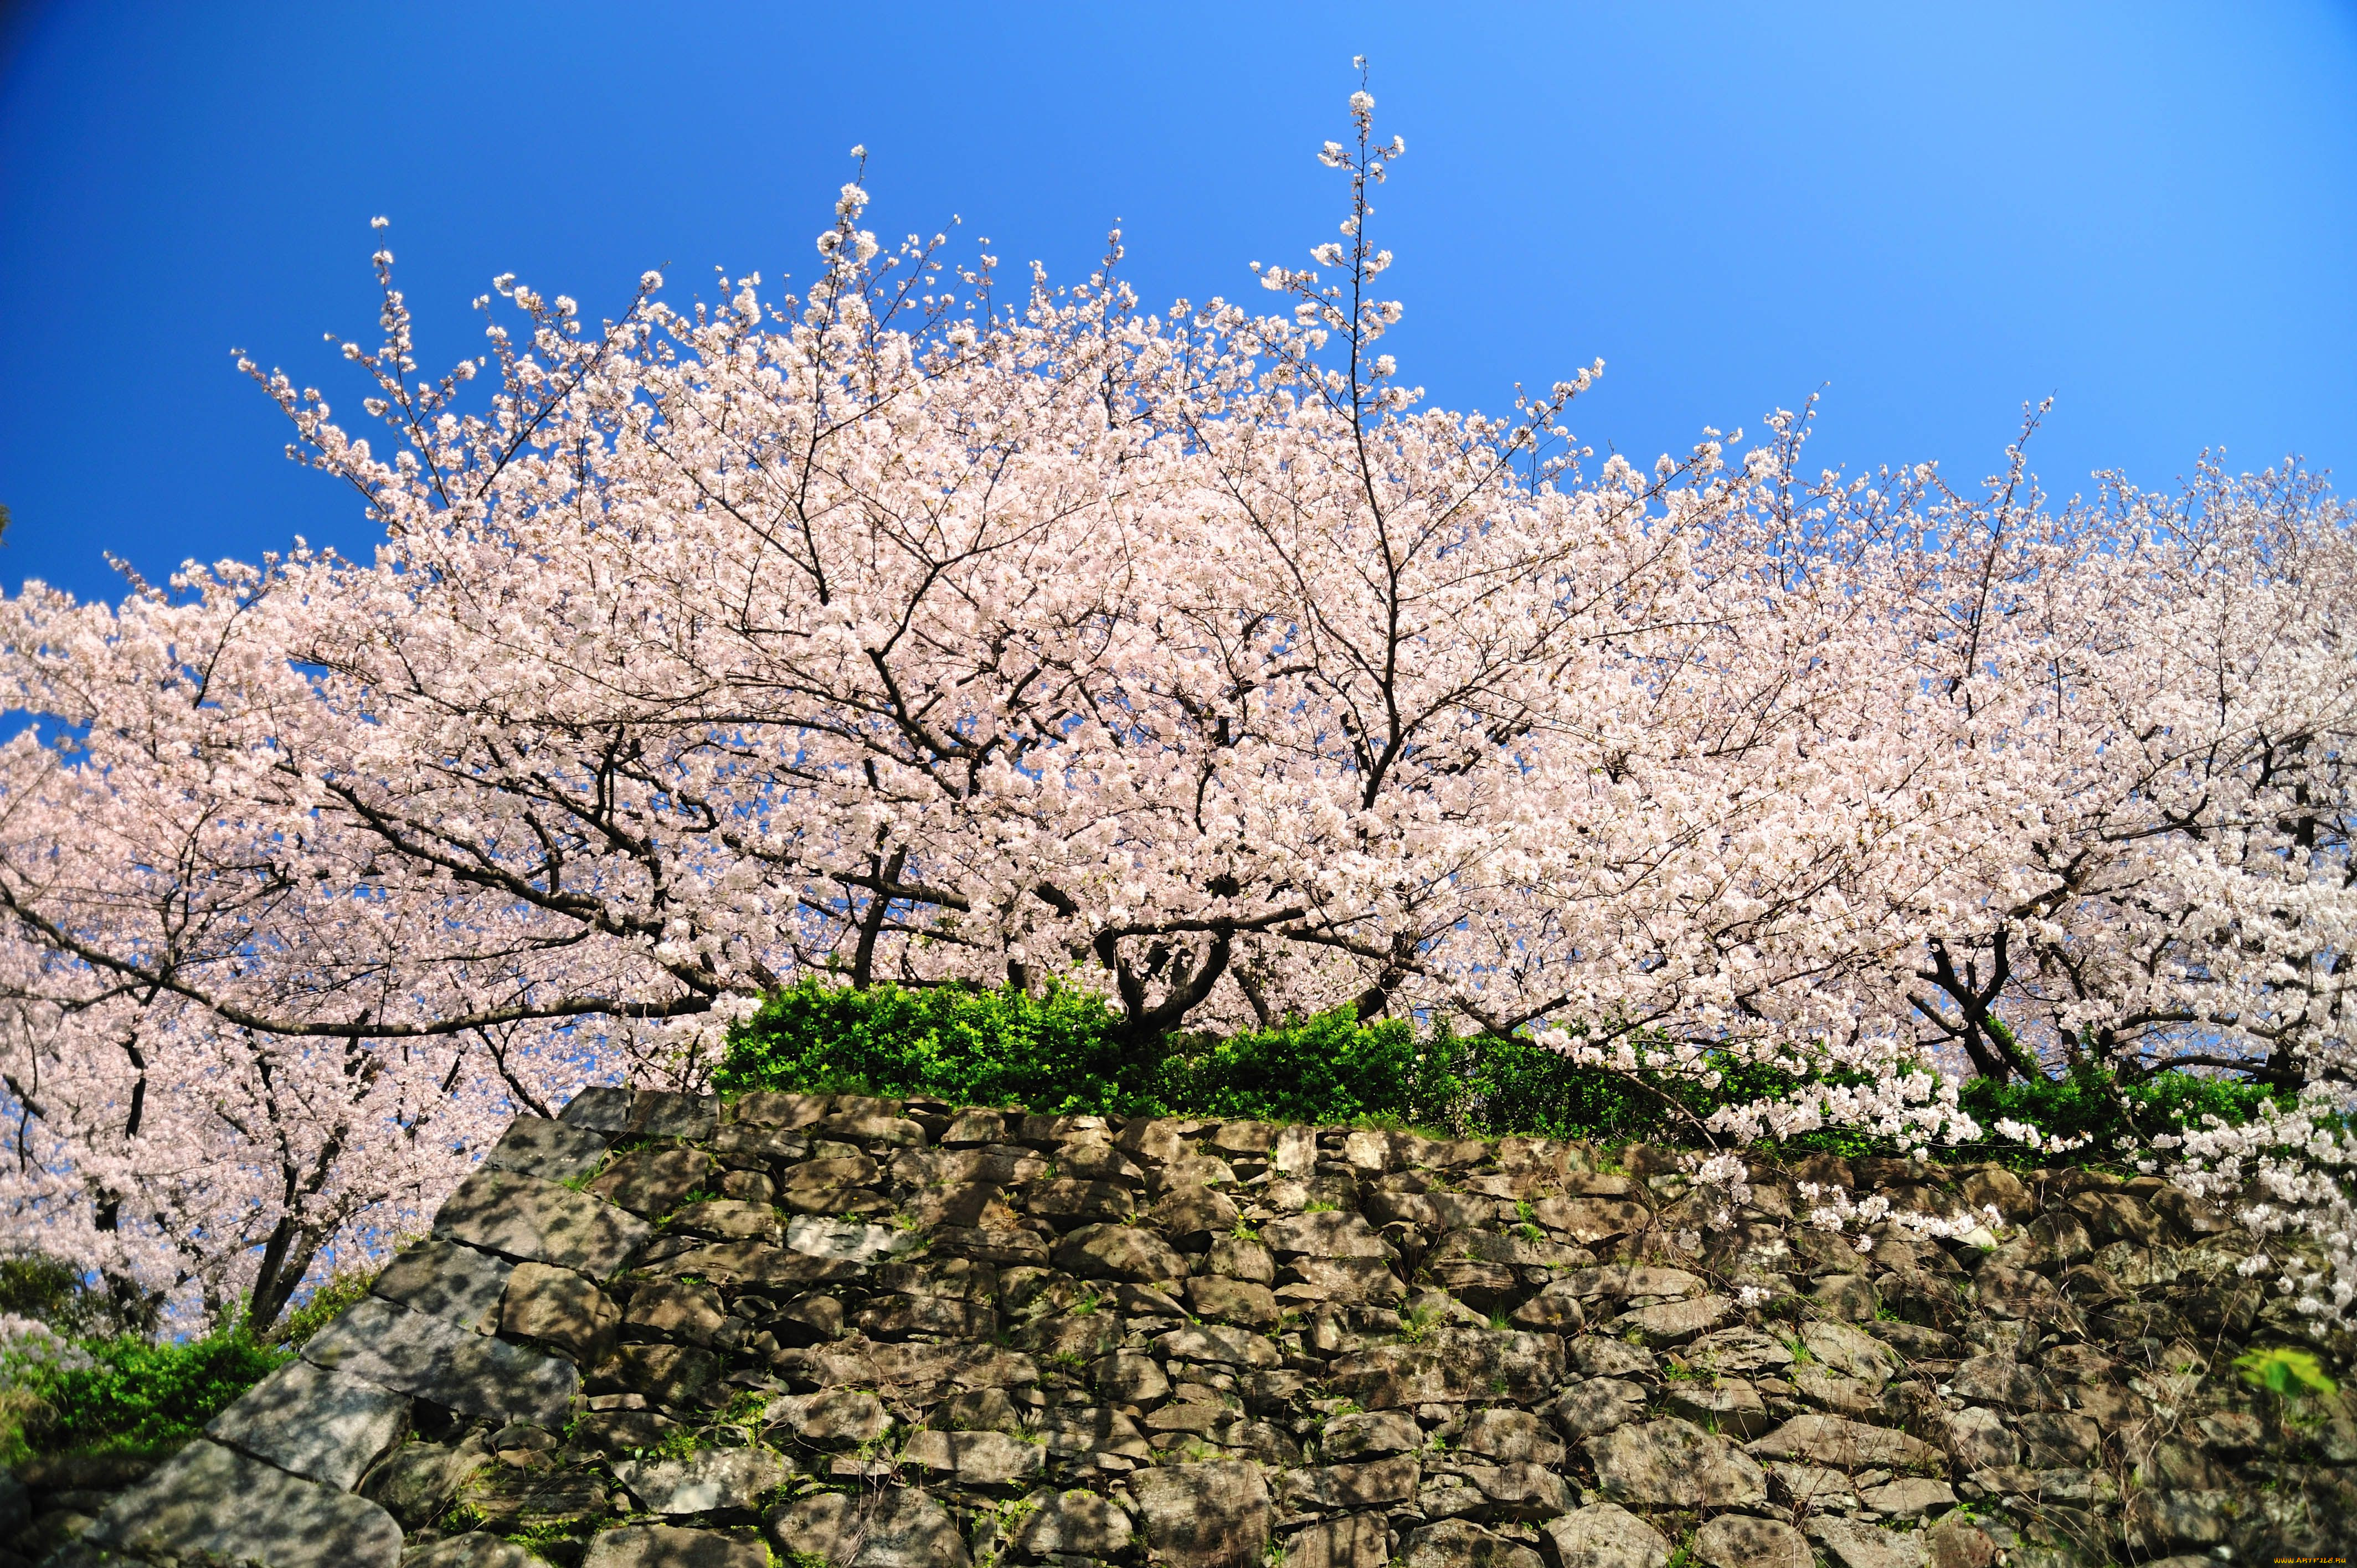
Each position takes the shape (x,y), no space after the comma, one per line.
(1062,1053)
(1053,1053)
(131,1393)
(2112,1115)
(1331,1069)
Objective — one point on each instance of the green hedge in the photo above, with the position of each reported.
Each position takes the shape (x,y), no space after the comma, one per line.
(102,1387)
(1060,1053)
(131,1393)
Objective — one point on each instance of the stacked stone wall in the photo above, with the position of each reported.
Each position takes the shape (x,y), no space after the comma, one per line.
(836,1330)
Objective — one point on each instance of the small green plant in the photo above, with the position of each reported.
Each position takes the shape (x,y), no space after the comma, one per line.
(2285,1373)
(130,1393)
(1320,1205)
(676,1444)
(1417,1322)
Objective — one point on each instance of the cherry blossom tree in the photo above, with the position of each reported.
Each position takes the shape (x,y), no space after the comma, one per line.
(895,630)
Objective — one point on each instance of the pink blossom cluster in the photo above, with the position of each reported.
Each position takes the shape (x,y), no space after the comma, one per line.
(898,629)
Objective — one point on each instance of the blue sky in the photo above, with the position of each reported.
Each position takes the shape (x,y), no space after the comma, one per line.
(2147,211)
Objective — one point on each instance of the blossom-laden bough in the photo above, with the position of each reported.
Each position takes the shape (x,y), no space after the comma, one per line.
(896,630)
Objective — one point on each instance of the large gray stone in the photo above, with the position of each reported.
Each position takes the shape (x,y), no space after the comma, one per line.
(1674,1322)
(922,1374)
(1366,1434)
(209,1499)
(598,1109)
(702,1482)
(536,1146)
(979,1459)
(1077,1524)
(1738,1540)
(1850,1352)
(1594,1356)
(1811,1488)
(669,1546)
(447,1281)
(433,1359)
(538,1222)
(651,1113)
(1459,1543)
(1730,1405)
(560,1308)
(899,1528)
(1979,1439)
(1354,1541)
(1617,1280)
(1845,1443)
(849,1241)
(1204,1516)
(419,1480)
(1119,1252)
(1605,1535)
(843,1418)
(1850,1544)
(1226,1346)
(728,1219)
(1327,1234)
(1910,1496)
(1674,1464)
(2056,1438)
(1591,1220)
(661,1114)
(759,1264)
(1454,1366)
(653,1182)
(1509,1436)
(1329,1488)
(476,1549)
(1520,1491)
(1740,1352)
(672,1376)
(323,1427)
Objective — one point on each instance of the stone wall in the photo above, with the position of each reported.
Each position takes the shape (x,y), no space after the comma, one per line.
(848,1331)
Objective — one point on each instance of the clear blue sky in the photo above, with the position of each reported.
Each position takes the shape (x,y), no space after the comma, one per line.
(2149,211)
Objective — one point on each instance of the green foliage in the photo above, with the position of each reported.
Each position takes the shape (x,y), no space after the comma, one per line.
(1051,1053)
(1064,1052)
(2284,1373)
(2114,1114)
(295,1329)
(1331,1069)
(102,1386)
(133,1394)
